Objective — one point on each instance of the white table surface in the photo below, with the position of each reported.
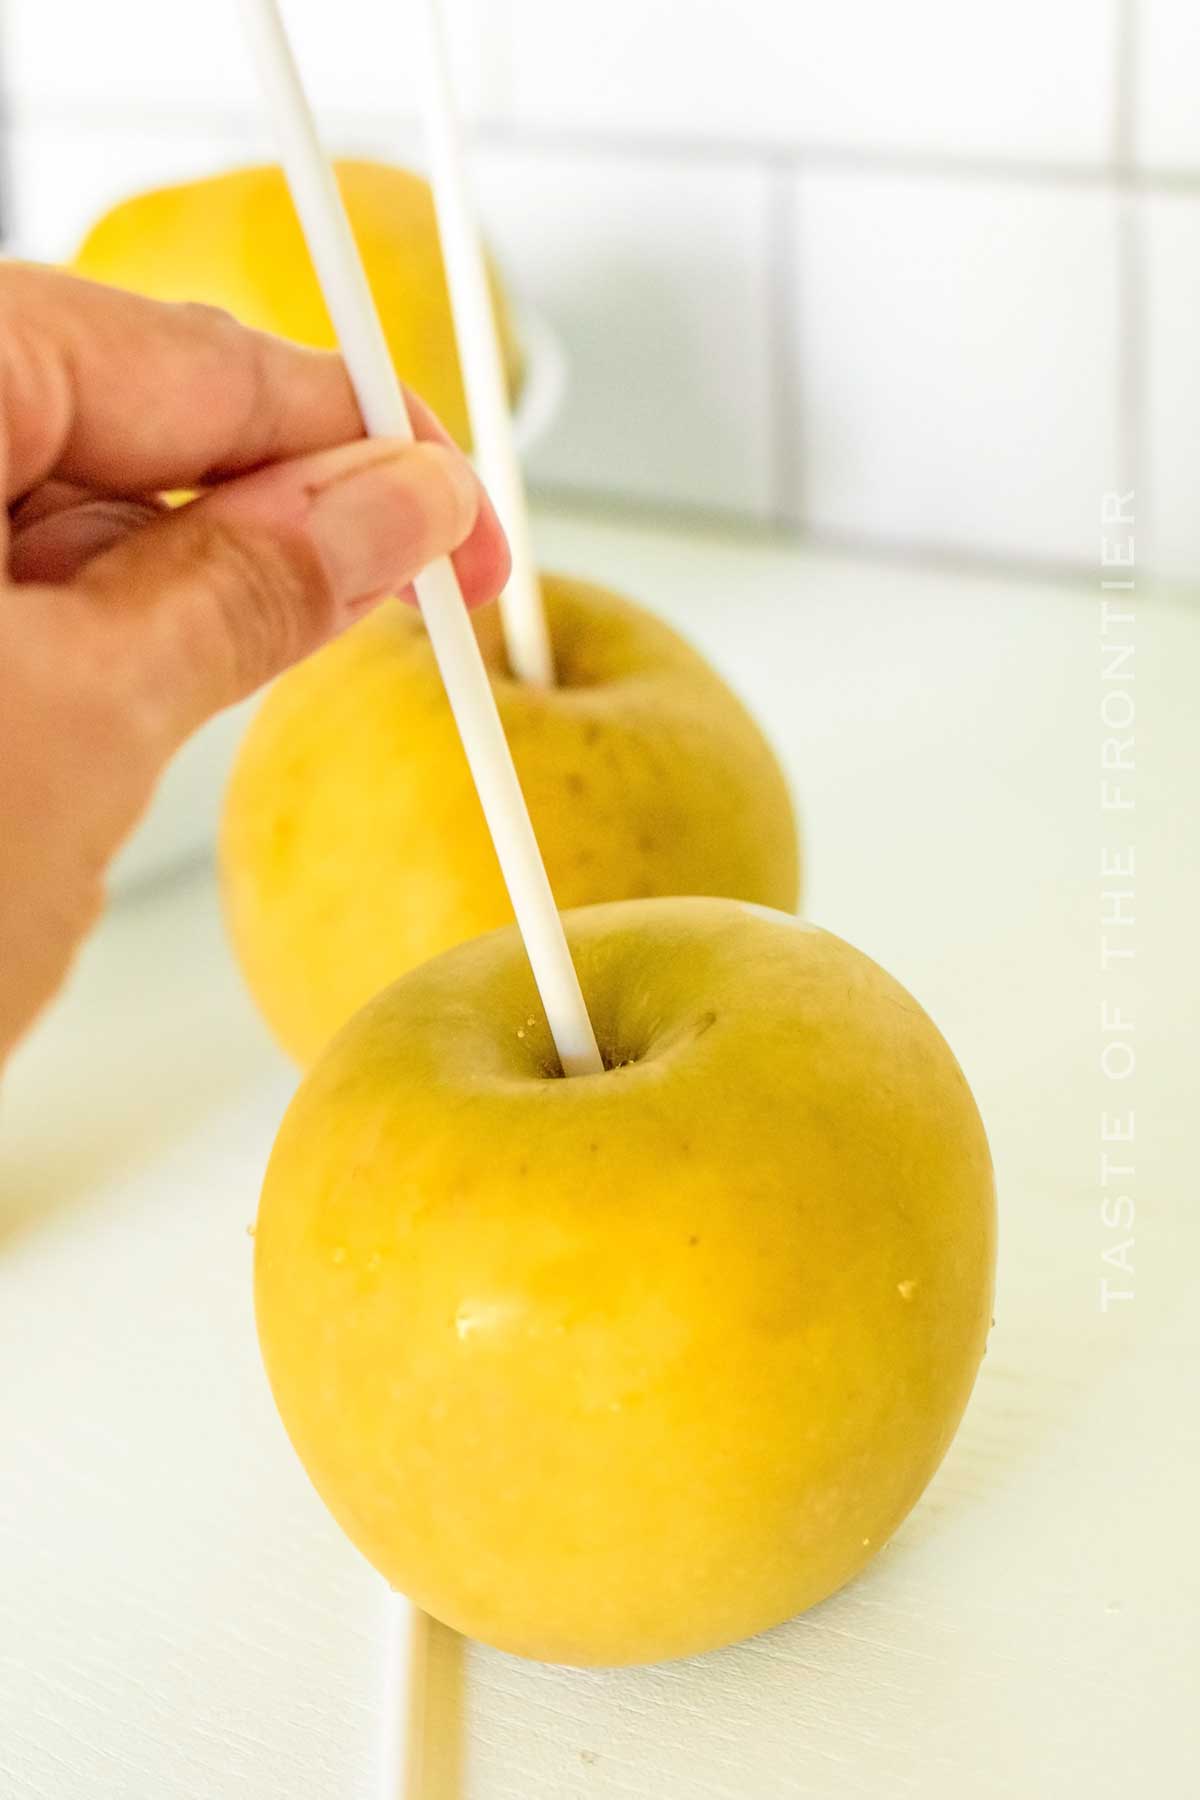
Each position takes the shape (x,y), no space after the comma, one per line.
(178,1618)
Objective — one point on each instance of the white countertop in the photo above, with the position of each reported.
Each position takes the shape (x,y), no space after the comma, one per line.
(178,1618)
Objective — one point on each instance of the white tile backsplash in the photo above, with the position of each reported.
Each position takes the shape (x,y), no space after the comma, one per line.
(958,341)
(657,276)
(1168,99)
(852,263)
(129,51)
(357,53)
(1172,365)
(1029,79)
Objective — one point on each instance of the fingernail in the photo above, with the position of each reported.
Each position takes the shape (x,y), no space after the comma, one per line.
(380,521)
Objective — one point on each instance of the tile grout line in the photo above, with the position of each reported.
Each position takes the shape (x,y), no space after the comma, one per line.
(492,132)
(1131,470)
(785,386)
(1123,144)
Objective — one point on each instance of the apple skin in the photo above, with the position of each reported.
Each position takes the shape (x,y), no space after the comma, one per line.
(626,1367)
(353,846)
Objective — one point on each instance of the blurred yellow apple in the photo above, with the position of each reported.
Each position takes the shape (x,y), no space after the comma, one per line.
(628,1366)
(233,240)
(353,845)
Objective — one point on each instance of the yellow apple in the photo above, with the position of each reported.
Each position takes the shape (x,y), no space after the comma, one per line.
(628,1366)
(234,241)
(353,845)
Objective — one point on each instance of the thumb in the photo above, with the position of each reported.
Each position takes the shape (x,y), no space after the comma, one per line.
(219,596)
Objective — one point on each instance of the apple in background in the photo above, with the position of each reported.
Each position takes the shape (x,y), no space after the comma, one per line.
(624,1367)
(234,240)
(353,845)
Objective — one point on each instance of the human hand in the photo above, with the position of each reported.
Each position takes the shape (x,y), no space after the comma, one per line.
(124,625)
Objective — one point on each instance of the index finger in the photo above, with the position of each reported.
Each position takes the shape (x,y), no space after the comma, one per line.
(113,390)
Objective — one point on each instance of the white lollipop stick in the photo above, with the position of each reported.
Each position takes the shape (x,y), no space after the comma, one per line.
(522,615)
(404,1701)
(381,398)
(356,322)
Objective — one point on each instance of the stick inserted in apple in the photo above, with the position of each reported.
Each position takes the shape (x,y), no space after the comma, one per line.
(621,1290)
(353,846)
(627,1366)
